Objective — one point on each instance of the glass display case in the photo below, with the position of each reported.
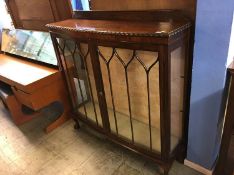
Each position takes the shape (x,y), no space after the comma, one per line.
(130,82)
(29,44)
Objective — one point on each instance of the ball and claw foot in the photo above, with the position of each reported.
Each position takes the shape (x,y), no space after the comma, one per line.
(165,171)
(77,125)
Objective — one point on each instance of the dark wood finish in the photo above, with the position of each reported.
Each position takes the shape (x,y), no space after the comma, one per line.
(187,88)
(99,86)
(34,15)
(187,6)
(34,86)
(164,66)
(158,35)
(129,15)
(226,152)
(229,168)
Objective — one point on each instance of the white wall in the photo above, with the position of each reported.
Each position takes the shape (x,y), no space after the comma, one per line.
(5,19)
(214,20)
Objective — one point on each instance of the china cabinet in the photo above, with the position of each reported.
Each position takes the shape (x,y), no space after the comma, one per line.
(225,159)
(127,75)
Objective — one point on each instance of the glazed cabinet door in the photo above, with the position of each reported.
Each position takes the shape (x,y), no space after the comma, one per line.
(131,84)
(77,64)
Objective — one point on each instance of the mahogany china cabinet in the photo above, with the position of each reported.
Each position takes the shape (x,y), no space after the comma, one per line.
(225,159)
(127,75)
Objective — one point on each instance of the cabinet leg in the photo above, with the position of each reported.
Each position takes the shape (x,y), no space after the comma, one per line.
(77,124)
(165,171)
(166,167)
(181,155)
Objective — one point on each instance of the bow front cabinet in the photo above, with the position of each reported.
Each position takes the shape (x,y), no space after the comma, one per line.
(127,75)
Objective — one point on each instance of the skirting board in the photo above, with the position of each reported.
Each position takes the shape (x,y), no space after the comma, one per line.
(197,167)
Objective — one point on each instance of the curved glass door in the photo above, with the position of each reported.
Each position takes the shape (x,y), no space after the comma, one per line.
(131,84)
(77,64)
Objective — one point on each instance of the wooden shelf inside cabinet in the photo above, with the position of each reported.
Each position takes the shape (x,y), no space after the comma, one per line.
(129,75)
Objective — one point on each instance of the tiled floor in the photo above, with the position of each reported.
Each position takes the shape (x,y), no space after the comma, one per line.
(27,150)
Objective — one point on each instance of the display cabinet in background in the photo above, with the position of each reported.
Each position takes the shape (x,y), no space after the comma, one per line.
(127,75)
(28,64)
(225,160)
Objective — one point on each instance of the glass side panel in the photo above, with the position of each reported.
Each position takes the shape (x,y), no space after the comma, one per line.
(131,79)
(177,94)
(29,44)
(79,73)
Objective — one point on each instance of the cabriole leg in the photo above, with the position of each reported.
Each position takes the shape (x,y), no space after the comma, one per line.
(166,170)
(77,124)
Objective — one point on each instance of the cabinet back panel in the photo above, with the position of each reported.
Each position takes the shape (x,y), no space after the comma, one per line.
(188,6)
(34,15)
(28,13)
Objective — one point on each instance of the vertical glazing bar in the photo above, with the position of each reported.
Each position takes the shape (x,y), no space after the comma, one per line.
(110,82)
(57,52)
(112,98)
(149,110)
(129,103)
(73,93)
(81,93)
(99,85)
(91,91)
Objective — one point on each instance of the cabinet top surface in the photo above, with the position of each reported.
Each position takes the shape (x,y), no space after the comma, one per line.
(121,27)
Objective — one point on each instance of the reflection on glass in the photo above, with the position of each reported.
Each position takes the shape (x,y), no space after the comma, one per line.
(80,4)
(30,44)
(131,80)
(77,63)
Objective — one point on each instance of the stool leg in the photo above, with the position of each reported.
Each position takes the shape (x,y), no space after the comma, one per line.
(15,109)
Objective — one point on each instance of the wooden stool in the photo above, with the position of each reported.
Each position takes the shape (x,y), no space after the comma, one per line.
(19,113)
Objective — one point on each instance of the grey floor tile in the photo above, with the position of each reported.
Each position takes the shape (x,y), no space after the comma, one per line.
(27,150)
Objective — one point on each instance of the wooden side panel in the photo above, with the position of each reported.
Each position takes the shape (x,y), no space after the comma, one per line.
(34,15)
(188,6)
